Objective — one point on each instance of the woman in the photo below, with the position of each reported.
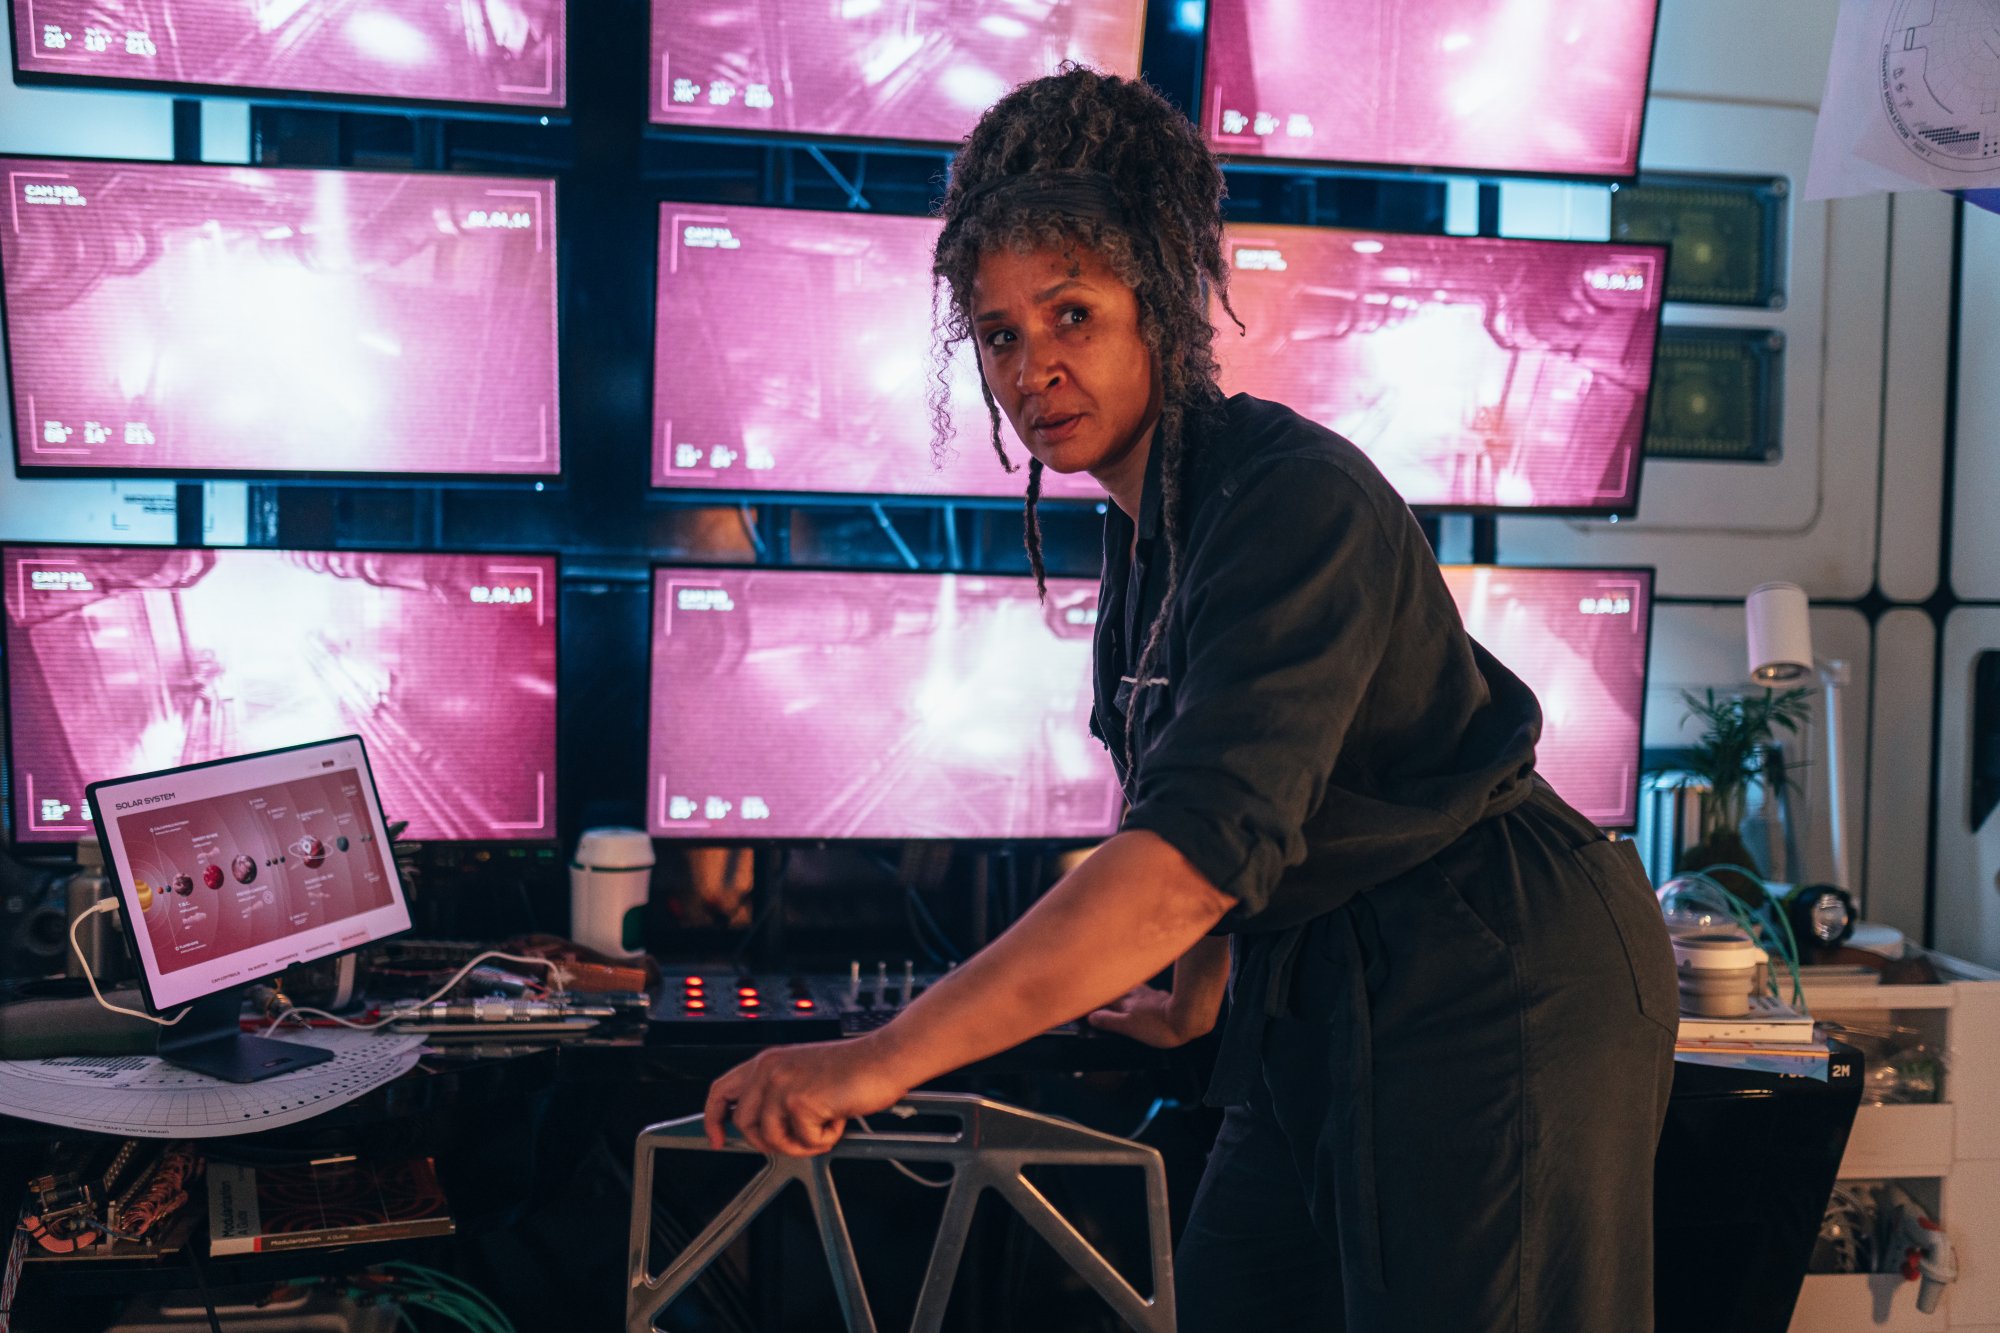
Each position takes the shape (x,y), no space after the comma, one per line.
(1450,1038)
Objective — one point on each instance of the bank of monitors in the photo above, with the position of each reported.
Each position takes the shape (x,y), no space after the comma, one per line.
(799,704)
(169,320)
(792,354)
(129,659)
(909,70)
(1578,638)
(1480,374)
(1534,87)
(498,55)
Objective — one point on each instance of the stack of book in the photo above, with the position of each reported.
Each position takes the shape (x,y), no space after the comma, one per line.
(1772,1036)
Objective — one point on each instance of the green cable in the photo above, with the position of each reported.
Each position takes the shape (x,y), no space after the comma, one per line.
(448,1282)
(1754,925)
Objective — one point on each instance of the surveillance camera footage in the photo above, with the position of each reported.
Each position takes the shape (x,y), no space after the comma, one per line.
(500,53)
(793,704)
(914,70)
(1544,87)
(1578,638)
(1477,373)
(793,353)
(130,660)
(204,319)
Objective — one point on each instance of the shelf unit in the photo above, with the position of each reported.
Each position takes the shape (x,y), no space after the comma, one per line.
(1948,1153)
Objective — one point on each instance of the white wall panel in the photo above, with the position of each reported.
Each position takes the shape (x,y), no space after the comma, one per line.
(1975,529)
(1913,393)
(1773,51)
(1899,770)
(1968,860)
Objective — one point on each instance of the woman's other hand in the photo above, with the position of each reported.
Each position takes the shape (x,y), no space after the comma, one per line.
(1150,1015)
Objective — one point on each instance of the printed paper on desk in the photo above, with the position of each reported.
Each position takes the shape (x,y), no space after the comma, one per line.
(1912,99)
(141,1096)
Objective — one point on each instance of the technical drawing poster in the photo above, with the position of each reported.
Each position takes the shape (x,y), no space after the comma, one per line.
(1912,99)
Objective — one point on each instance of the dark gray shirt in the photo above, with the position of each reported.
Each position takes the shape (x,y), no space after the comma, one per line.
(1318,721)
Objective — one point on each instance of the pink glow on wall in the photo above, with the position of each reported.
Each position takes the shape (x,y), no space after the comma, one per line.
(130,660)
(803,704)
(1477,373)
(793,353)
(200,319)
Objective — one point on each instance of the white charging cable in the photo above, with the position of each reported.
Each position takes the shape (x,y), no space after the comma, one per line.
(76,945)
(557,977)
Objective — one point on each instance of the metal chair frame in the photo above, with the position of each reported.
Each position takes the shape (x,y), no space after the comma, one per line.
(992,1147)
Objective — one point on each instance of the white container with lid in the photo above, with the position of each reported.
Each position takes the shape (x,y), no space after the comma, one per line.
(610,879)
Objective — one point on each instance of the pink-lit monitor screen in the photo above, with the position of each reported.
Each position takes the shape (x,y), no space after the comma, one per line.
(1541,87)
(915,70)
(129,659)
(235,870)
(1578,638)
(796,704)
(178,320)
(792,353)
(482,53)
(1477,373)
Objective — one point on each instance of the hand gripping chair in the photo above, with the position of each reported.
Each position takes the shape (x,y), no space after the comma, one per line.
(991,1146)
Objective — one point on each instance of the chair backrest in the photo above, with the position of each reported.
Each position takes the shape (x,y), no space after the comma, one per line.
(990,1148)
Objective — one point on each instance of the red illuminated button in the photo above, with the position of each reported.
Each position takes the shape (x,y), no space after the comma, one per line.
(746,990)
(693,983)
(802,1004)
(749,1002)
(695,1004)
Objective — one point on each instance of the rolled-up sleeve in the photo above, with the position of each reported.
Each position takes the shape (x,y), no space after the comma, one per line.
(1288,605)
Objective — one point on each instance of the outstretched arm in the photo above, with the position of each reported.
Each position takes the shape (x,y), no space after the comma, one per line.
(1134,907)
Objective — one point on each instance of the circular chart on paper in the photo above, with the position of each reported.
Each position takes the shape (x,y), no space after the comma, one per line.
(1941,81)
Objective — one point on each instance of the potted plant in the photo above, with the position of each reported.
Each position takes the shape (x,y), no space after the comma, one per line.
(1730,755)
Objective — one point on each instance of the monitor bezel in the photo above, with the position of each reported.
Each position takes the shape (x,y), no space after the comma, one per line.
(495,480)
(1651,574)
(825,139)
(1629,508)
(685,494)
(28,76)
(7,719)
(1251,161)
(128,917)
(653,573)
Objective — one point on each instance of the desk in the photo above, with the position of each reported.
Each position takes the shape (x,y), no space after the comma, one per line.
(534,1146)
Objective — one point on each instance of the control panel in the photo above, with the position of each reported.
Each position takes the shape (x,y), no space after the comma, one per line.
(699,1005)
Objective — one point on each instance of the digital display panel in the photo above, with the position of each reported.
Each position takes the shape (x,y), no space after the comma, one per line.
(1538,87)
(502,54)
(180,320)
(236,870)
(913,70)
(798,704)
(792,353)
(131,659)
(1578,638)
(1477,373)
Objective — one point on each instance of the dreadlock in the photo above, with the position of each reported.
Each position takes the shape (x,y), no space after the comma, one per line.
(1118,139)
